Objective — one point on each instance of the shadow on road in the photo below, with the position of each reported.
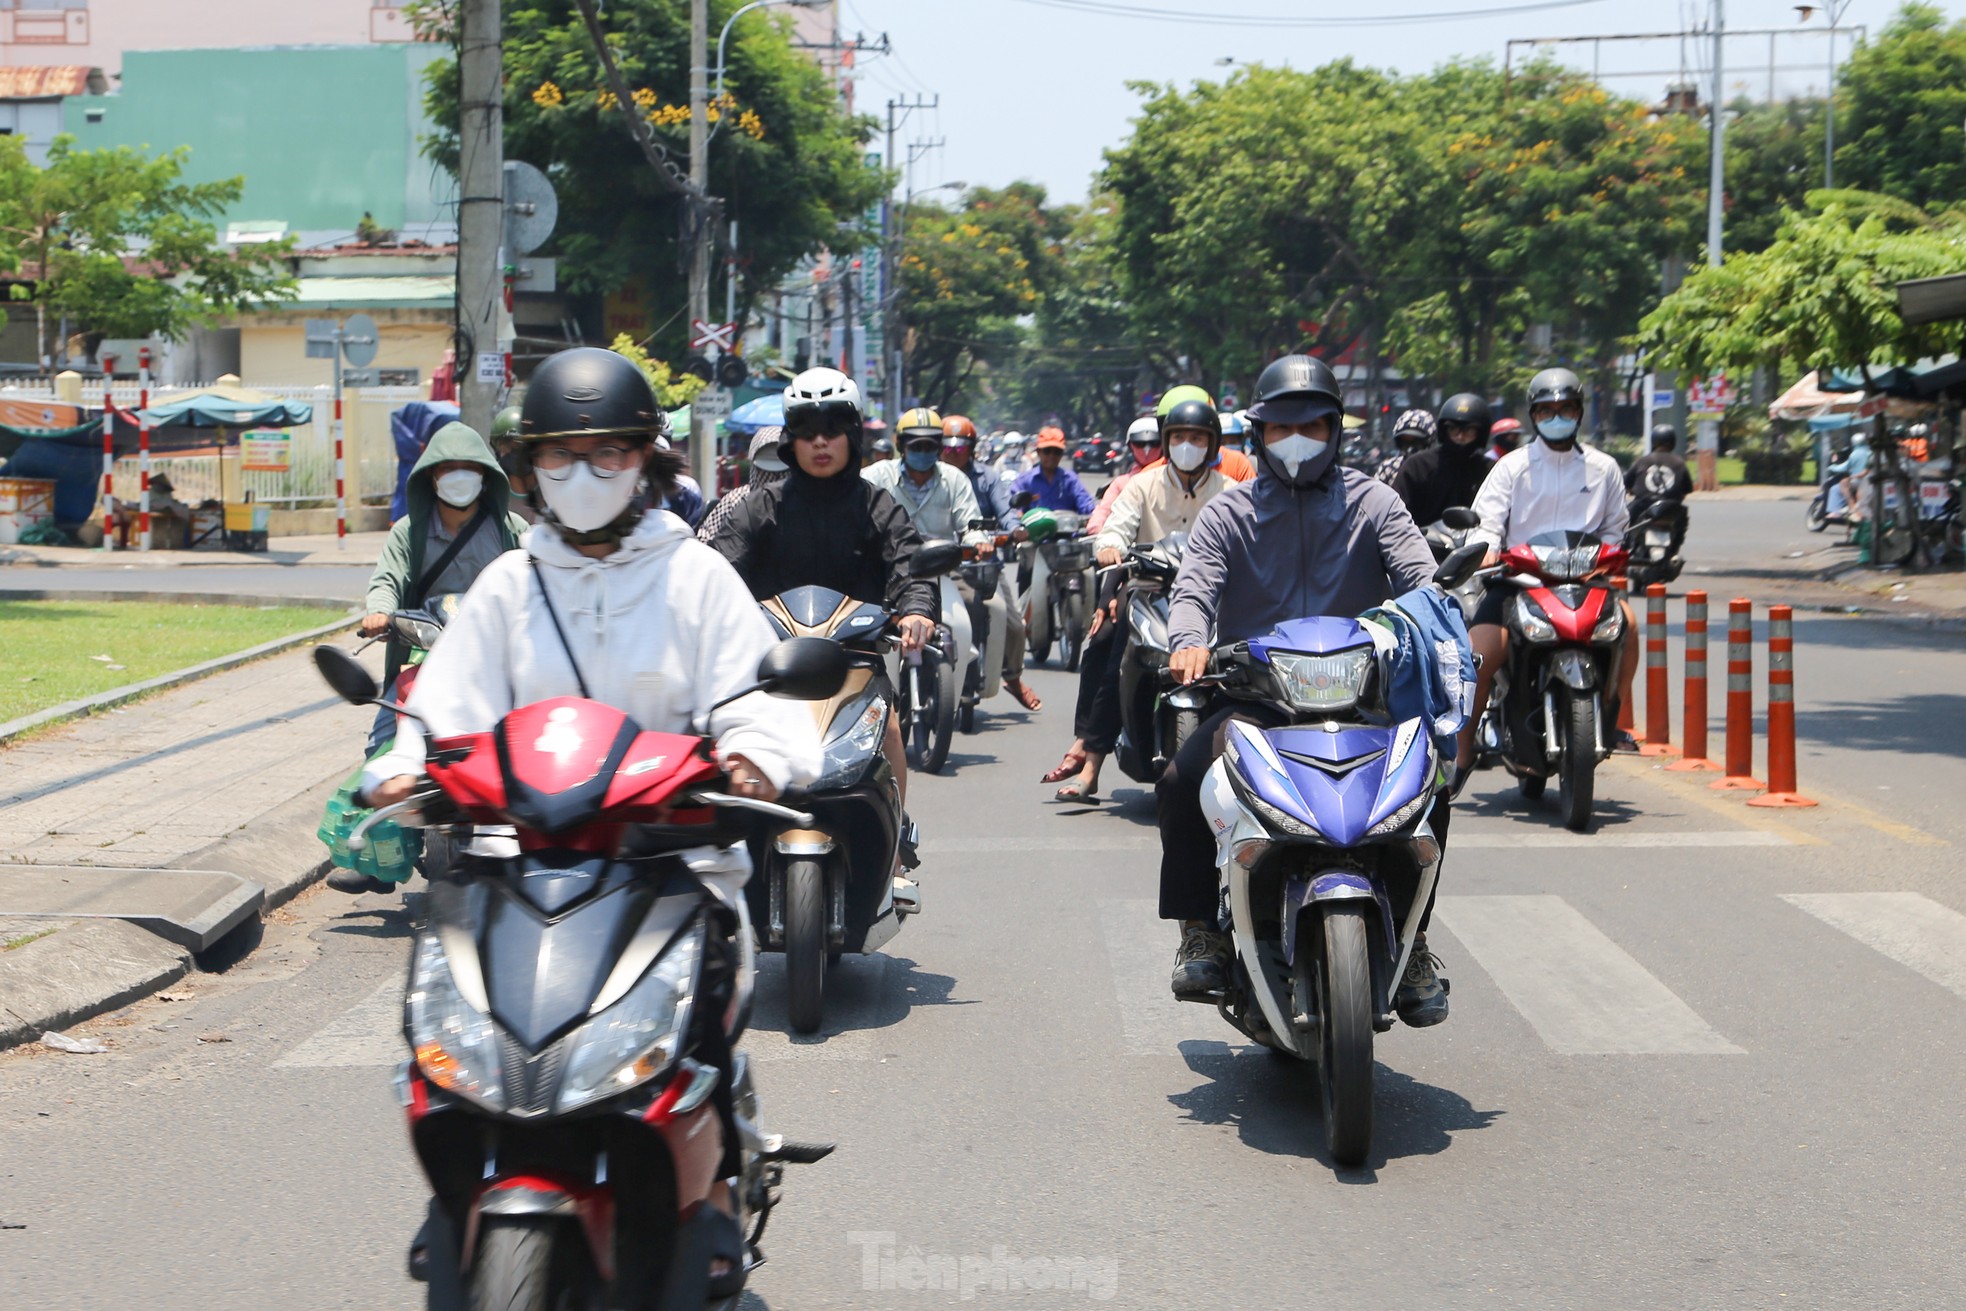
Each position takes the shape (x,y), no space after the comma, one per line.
(1509,803)
(1272,1102)
(1926,723)
(862,993)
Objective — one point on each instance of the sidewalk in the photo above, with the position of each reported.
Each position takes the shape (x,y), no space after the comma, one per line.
(230,773)
(319,549)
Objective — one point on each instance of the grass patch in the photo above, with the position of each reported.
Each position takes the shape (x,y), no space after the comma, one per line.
(24,939)
(49,649)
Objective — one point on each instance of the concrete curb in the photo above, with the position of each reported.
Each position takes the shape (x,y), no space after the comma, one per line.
(81,972)
(116,696)
(278,850)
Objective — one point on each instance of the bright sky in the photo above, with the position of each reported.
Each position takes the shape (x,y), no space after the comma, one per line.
(1037,88)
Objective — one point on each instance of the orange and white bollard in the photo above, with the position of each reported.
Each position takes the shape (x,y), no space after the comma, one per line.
(1694,738)
(1658,707)
(1740,700)
(108,466)
(1781,712)
(1627,712)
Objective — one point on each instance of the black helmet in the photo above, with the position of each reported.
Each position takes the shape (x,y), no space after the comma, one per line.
(1466,407)
(1554,386)
(1194,414)
(1295,389)
(590,392)
(1664,434)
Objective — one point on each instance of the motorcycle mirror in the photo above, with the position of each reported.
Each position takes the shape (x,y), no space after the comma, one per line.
(804,668)
(934,558)
(419,628)
(1460,566)
(1023,500)
(351,682)
(1460,518)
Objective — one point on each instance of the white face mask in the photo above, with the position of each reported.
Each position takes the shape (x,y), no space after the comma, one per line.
(460,487)
(583,502)
(1295,449)
(1186,456)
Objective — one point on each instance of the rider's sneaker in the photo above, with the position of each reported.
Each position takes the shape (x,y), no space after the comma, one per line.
(907,896)
(1201,966)
(354,882)
(1422,997)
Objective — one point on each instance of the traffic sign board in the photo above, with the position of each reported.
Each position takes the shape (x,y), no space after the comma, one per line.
(1873,406)
(358,340)
(361,377)
(712,403)
(1710,396)
(708,337)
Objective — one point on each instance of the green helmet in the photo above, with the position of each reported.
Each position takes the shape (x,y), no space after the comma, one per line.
(1185,392)
(1039,525)
(505,423)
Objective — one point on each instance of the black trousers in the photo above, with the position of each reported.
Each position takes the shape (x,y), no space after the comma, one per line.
(1189,889)
(1098,720)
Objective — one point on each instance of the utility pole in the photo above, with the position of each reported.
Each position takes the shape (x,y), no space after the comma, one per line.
(893,233)
(480,211)
(699,217)
(1717,174)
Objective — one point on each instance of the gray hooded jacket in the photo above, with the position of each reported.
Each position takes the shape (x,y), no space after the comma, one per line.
(1332,542)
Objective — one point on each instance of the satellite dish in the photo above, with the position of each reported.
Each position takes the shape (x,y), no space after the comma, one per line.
(532,207)
(358,340)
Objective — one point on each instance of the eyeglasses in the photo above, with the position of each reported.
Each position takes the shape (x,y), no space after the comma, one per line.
(557,461)
(817,435)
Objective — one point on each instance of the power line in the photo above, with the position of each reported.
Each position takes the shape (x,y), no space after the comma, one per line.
(1122,9)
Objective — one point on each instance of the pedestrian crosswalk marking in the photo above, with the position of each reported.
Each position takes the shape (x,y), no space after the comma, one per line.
(1582,993)
(1140,949)
(367,1033)
(1516,840)
(1912,930)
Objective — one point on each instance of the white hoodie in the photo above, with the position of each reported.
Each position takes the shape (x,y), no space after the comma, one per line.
(662,629)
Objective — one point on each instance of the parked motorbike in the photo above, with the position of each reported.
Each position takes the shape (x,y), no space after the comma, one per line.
(1156,715)
(1546,712)
(584,953)
(1325,852)
(827,885)
(1657,534)
(1058,602)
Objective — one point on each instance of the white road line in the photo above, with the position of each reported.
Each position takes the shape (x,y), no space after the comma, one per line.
(368,1033)
(860,1003)
(1140,950)
(1141,842)
(1914,931)
(1581,992)
(1730,838)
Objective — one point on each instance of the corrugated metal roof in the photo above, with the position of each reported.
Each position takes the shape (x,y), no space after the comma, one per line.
(46,82)
(406,292)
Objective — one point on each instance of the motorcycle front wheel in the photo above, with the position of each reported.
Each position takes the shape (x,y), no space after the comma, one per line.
(1818,516)
(515,1265)
(805,944)
(1341,980)
(1579,762)
(1071,632)
(932,723)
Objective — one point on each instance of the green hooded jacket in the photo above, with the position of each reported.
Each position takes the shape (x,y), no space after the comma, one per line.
(402,561)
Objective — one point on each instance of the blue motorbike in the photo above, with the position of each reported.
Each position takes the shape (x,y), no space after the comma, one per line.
(1324,852)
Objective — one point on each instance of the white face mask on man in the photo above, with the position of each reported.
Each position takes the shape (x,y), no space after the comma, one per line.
(1294,450)
(459,487)
(1187,456)
(583,500)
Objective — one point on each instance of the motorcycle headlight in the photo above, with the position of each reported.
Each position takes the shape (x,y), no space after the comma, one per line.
(846,753)
(1323,682)
(635,1039)
(1400,818)
(1534,624)
(456,1044)
(1612,626)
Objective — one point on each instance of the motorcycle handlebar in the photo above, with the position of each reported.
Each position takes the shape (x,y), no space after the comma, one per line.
(804,819)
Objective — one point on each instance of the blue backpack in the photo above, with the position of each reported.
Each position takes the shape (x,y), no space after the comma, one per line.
(1430,666)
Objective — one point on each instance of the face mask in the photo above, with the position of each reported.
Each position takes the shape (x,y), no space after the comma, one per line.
(582,502)
(921,461)
(1294,450)
(460,487)
(1186,456)
(1556,430)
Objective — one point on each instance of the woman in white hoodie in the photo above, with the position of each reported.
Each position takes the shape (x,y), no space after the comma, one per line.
(613,599)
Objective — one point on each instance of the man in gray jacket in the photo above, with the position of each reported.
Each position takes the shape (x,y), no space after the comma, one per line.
(1306,537)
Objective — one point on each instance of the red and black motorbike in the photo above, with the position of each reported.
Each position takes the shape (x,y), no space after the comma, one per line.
(1546,714)
(577,986)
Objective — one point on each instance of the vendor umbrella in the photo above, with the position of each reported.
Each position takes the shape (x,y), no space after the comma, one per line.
(764,412)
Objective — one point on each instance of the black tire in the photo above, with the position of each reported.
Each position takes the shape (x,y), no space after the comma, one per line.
(1342,980)
(805,944)
(1579,762)
(934,732)
(513,1267)
(1040,649)
(1186,724)
(1532,786)
(966,718)
(1071,633)
(1817,517)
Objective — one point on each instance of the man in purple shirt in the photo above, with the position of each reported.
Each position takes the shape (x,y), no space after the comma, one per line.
(1056,487)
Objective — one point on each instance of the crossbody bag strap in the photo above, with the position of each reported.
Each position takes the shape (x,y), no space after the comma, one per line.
(421,591)
(558,631)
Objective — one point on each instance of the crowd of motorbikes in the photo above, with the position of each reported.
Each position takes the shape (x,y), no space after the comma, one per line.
(584,962)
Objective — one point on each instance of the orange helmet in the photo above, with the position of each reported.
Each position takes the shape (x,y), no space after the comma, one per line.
(1051,437)
(959,427)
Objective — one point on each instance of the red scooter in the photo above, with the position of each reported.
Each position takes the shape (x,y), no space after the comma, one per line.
(575,994)
(1546,714)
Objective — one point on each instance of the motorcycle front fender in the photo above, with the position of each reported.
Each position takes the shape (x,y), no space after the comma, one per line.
(1572,668)
(1329,886)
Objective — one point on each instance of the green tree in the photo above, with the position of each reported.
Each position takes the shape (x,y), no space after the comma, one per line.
(1822,296)
(117,242)
(1900,109)
(1774,160)
(787,159)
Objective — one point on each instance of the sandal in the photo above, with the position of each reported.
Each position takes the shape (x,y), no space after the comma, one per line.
(1078,790)
(1073,762)
(1026,698)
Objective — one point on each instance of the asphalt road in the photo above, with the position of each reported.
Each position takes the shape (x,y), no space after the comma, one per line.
(1702,1056)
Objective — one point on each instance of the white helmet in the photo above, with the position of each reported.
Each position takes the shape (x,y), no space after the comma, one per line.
(1146,426)
(816,400)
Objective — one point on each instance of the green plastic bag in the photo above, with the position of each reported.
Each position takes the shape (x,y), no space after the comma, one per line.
(390,852)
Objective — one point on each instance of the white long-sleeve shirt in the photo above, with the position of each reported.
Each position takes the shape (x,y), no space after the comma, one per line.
(1155,504)
(662,628)
(1534,490)
(941,509)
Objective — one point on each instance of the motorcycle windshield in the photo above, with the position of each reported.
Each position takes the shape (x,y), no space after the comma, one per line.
(1341,784)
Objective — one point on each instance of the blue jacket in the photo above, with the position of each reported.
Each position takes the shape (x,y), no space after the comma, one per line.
(1430,671)
(992,494)
(1065,492)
